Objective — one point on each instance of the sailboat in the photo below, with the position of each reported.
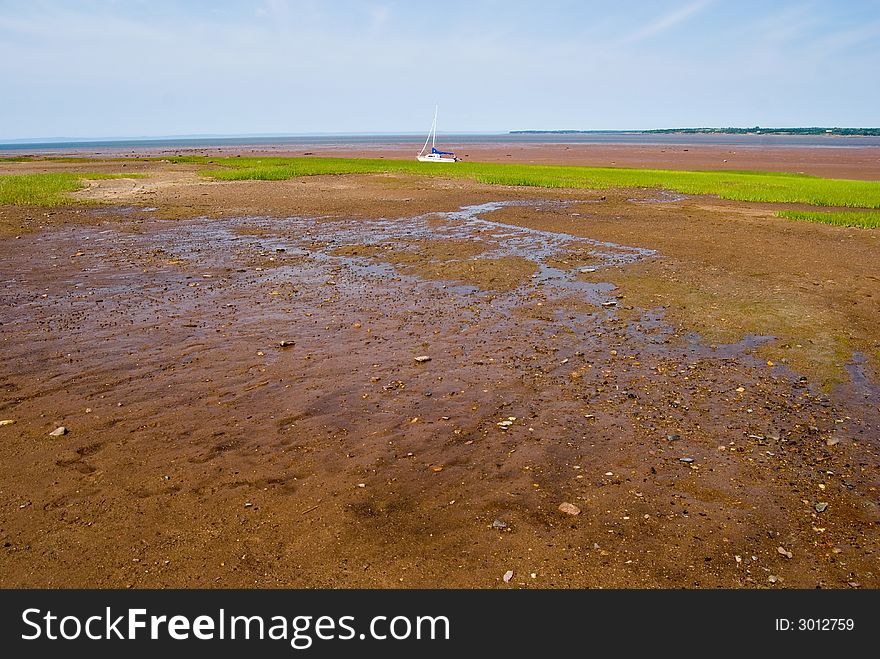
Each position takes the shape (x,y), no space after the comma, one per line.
(436,155)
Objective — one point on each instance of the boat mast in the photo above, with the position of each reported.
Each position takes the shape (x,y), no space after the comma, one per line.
(432,134)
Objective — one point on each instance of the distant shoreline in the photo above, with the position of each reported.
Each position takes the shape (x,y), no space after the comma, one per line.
(757,130)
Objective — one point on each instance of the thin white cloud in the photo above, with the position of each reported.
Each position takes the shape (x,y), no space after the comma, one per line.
(666,22)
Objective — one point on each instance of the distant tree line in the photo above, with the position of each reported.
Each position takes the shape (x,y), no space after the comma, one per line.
(757,130)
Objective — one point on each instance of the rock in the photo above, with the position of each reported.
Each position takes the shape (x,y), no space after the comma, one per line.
(508,576)
(586,271)
(739,390)
(421,359)
(687,460)
(569,509)
(286,344)
(248,505)
(832,441)
(784,552)
(437,469)
(504,425)
(498,524)
(673,438)
(7,422)
(821,507)
(772,578)
(60,430)
(610,303)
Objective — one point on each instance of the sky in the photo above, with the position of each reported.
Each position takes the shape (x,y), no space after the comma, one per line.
(104,68)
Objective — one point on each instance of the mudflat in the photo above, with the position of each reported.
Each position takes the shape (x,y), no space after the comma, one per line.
(402,381)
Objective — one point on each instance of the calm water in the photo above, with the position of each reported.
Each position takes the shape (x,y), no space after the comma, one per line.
(451,139)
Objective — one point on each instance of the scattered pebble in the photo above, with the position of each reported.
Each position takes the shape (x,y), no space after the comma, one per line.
(687,460)
(60,430)
(285,344)
(821,506)
(7,422)
(508,576)
(832,441)
(421,359)
(784,552)
(437,469)
(498,524)
(610,303)
(569,509)
(772,578)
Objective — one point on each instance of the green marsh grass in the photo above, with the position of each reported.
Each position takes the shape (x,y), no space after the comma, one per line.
(46,189)
(734,185)
(864,220)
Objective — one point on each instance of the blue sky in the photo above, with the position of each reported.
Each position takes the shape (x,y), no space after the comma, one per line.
(131,68)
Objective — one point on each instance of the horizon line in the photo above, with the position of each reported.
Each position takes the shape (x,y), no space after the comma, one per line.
(203,136)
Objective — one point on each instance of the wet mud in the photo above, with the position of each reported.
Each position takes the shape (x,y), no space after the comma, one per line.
(245,408)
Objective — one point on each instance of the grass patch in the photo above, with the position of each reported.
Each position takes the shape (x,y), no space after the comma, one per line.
(735,185)
(46,189)
(865,220)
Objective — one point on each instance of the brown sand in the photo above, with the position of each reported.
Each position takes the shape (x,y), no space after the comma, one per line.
(201,453)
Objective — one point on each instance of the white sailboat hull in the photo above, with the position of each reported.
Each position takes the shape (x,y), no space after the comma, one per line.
(433,157)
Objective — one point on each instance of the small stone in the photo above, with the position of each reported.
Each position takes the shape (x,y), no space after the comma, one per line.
(673,438)
(784,552)
(610,303)
(7,422)
(772,578)
(687,460)
(249,505)
(821,507)
(832,441)
(361,485)
(504,425)
(498,524)
(437,469)
(421,359)
(739,390)
(586,271)
(508,576)
(569,509)
(60,430)
(285,344)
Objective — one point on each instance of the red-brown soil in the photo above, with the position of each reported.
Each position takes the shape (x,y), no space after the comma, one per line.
(695,388)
